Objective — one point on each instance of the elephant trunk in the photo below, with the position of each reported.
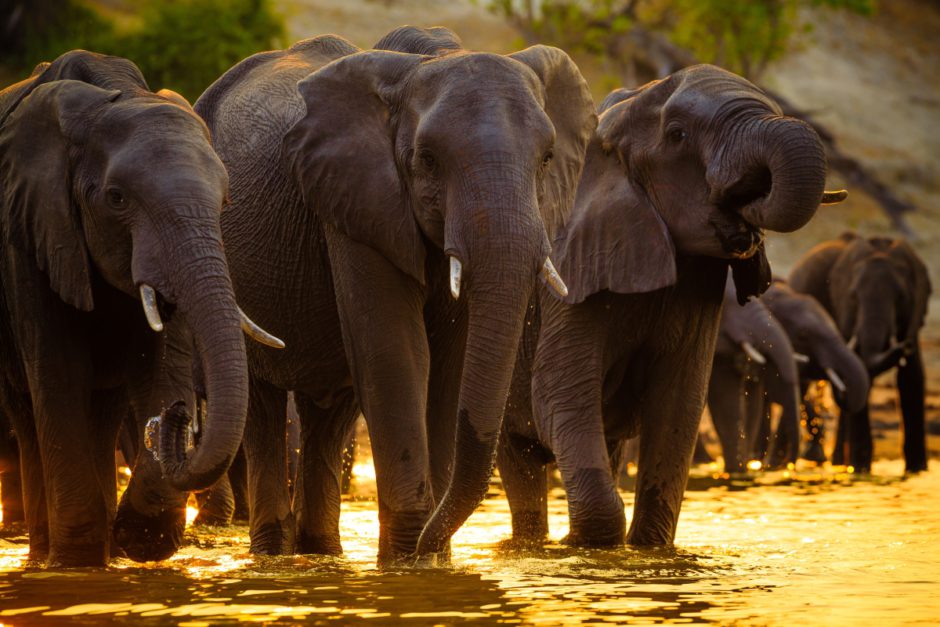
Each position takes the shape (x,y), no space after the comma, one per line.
(502,251)
(782,179)
(785,380)
(851,371)
(207,301)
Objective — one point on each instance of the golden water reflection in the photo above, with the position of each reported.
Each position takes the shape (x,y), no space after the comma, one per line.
(793,547)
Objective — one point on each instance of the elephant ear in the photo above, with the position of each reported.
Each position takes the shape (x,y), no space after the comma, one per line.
(38,212)
(569,106)
(918,281)
(752,276)
(342,154)
(614,240)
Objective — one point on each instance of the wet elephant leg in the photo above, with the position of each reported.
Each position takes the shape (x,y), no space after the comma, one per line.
(11,489)
(271,525)
(725,399)
(324,432)
(911,390)
(381,315)
(216,505)
(19,409)
(854,438)
(238,480)
(524,475)
(815,451)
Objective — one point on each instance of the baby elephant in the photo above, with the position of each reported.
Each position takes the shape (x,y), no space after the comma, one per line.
(877,291)
(680,179)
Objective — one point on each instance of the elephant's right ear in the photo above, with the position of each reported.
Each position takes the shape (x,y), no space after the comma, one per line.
(615,239)
(38,213)
(341,152)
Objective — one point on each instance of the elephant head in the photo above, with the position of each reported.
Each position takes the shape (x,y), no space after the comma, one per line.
(695,164)
(104,181)
(475,155)
(882,298)
(814,334)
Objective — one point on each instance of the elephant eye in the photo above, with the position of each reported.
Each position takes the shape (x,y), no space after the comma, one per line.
(115,198)
(427,160)
(676,135)
(547,159)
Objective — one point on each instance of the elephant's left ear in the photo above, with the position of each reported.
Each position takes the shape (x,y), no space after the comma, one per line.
(39,215)
(342,155)
(570,107)
(752,276)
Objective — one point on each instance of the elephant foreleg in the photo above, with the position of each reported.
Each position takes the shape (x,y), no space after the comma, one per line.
(911,390)
(725,399)
(324,434)
(216,505)
(20,411)
(814,424)
(524,476)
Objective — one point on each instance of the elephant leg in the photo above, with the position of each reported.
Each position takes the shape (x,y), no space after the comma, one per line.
(109,409)
(524,475)
(216,505)
(324,433)
(271,524)
(854,438)
(20,412)
(238,480)
(700,455)
(725,399)
(761,442)
(670,419)
(814,425)
(381,315)
(911,390)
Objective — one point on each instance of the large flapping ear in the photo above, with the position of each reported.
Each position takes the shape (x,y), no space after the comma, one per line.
(569,106)
(436,40)
(752,276)
(35,181)
(918,282)
(615,239)
(342,154)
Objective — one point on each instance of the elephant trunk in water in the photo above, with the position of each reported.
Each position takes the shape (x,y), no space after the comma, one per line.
(785,444)
(779,183)
(502,253)
(206,299)
(851,372)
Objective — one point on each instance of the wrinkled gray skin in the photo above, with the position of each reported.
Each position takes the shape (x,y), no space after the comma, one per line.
(877,290)
(354,176)
(814,334)
(680,177)
(104,186)
(740,385)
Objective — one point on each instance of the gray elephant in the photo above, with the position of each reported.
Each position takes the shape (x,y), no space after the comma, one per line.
(390,214)
(754,363)
(109,200)
(824,357)
(679,180)
(876,289)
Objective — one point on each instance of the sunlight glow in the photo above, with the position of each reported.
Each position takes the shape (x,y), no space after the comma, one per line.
(754,464)
(364,471)
(191,513)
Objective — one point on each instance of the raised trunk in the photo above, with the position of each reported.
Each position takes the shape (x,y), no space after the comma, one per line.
(206,299)
(789,152)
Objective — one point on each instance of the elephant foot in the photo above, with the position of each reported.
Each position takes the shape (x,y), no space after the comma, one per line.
(149,538)
(73,555)
(814,453)
(274,538)
(426,561)
(529,528)
(318,544)
(399,532)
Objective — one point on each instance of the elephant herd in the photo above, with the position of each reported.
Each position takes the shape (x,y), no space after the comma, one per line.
(456,244)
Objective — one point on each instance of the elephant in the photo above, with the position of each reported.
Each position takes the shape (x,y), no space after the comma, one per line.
(877,290)
(390,214)
(110,197)
(823,354)
(754,362)
(680,179)
(11,491)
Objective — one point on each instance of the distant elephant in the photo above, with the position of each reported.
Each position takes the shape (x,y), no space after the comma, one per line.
(824,356)
(109,199)
(877,290)
(754,363)
(389,216)
(681,177)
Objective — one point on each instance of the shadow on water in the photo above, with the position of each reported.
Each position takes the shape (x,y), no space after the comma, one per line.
(765,549)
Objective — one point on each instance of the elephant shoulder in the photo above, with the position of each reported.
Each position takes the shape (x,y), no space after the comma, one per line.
(436,40)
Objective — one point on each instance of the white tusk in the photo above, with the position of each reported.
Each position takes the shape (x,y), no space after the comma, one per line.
(836,380)
(258,334)
(800,358)
(852,343)
(551,277)
(753,353)
(148,296)
(455,270)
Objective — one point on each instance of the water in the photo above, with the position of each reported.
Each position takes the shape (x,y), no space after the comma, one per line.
(812,548)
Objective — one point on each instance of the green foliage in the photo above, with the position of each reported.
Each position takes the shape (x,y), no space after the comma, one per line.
(183,45)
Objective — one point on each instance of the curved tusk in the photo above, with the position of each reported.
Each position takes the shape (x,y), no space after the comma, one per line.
(852,343)
(258,334)
(553,279)
(753,353)
(148,297)
(800,358)
(833,198)
(455,270)
(836,380)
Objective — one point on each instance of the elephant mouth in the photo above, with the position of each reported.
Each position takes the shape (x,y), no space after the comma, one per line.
(738,239)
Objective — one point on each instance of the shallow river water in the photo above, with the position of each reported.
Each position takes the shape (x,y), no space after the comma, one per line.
(817,547)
